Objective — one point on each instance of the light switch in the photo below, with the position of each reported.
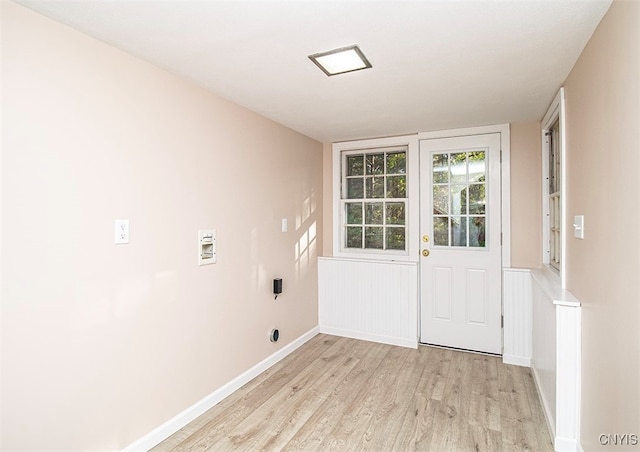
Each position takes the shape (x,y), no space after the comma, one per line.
(121,232)
(578,226)
(284,225)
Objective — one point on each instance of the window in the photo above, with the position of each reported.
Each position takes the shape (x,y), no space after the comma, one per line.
(553,185)
(553,198)
(459,198)
(374,199)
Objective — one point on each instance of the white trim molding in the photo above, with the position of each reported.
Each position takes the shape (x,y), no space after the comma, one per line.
(568,368)
(413,204)
(556,111)
(174,424)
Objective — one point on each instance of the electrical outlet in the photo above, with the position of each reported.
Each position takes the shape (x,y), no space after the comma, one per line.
(121,232)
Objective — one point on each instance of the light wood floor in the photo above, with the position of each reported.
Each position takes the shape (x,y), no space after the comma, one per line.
(338,393)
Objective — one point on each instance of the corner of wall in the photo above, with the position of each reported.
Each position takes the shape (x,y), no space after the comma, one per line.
(327,200)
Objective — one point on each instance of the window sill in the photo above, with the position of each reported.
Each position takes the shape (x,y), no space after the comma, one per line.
(548,279)
(358,258)
(381,257)
(552,273)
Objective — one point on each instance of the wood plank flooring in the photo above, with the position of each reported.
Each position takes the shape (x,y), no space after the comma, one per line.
(343,394)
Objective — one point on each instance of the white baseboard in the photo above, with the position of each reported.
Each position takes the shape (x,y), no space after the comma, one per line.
(400,341)
(562,444)
(545,405)
(523,361)
(167,429)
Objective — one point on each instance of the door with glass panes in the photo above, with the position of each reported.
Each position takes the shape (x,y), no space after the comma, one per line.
(460,266)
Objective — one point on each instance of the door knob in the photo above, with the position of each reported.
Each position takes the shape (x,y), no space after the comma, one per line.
(425,253)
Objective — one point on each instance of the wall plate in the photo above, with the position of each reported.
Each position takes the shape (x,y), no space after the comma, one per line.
(121,232)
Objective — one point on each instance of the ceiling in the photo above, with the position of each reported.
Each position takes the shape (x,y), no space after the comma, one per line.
(436,64)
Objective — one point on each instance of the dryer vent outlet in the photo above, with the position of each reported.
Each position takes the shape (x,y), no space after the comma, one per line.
(275,335)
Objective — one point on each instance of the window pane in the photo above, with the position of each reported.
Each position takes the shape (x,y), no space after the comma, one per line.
(477,231)
(355,165)
(373,237)
(458,231)
(395,239)
(373,213)
(375,164)
(396,186)
(355,188)
(458,167)
(440,199)
(375,187)
(354,212)
(441,231)
(459,199)
(395,213)
(554,230)
(554,157)
(440,168)
(476,166)
(354,237)
(477,199)
(397,163)
(369,181)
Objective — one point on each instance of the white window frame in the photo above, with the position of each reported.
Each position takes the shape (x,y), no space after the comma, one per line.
(412,206)
(556,112)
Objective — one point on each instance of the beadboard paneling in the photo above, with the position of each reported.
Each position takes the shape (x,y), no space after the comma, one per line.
(517,311)
(370,300)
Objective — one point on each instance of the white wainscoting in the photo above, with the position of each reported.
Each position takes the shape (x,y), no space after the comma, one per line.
(543,362)
(371,300)
(517,312)
(542,330)
(556,360)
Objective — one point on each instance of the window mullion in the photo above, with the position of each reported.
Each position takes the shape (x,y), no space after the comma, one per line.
(370,177)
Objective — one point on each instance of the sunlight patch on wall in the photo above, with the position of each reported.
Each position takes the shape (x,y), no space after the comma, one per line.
(305,250)
(307,208)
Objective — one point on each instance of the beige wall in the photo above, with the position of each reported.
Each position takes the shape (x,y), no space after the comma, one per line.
(327,197)
(526,197)
(603,270)
(103,343)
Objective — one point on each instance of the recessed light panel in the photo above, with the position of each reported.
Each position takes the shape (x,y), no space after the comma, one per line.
(339,61)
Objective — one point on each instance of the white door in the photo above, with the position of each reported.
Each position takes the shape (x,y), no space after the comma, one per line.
(460,267)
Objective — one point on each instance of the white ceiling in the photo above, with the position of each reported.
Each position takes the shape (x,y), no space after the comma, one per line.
(436,64)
